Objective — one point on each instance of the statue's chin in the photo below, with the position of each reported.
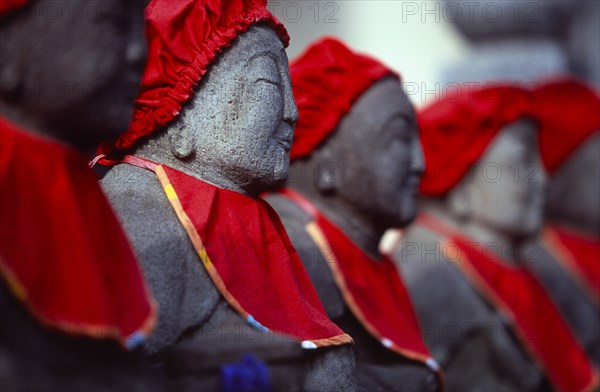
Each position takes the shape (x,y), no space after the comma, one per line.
(404,220)
(521,229)
(407,211)
(266,184)
(278,181)
(281,172)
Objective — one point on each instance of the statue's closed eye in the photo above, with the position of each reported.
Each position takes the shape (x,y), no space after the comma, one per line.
(263,69)
(398,127)
(267,80)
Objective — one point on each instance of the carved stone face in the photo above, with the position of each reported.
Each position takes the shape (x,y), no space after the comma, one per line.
(75,65)
(239,126)
(377,155)
(574,188)
(505,189)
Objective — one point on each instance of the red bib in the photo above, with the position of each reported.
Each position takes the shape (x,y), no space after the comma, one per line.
(373,290)
(535,318)
(578,254)
(246,251)
(62,250)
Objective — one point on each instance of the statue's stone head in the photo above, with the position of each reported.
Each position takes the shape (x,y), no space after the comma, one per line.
(216,100)
(71,68)
(505,189)
(240,122)
(482,158)
(368,157)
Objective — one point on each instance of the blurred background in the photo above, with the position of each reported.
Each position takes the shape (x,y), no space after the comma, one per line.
(434,44)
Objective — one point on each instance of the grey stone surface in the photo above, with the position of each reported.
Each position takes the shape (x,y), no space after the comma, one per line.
(68,77)
(71,69)
(468,335)
(235,133)
(364,177)
(36,358)
(194,364)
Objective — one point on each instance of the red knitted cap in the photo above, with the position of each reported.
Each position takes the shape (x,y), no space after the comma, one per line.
(327,79)
(456,131)
(569,113)
(7,6)
(184,38)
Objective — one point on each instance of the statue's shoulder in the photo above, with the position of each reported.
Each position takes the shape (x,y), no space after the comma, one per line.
(436,281)
(183,289)
(419,255)
(142,207)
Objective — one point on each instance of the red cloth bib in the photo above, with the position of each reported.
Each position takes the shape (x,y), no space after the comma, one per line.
(373,290)
(62,250)
(247,253)
(578,254)
(536,320)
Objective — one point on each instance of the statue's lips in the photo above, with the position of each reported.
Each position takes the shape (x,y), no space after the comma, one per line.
(286,138)
(534,199)
(413,184)
(287,144)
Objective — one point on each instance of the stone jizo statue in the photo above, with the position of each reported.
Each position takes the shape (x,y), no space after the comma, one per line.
(467,258)
(568,245)
(355,173)
(216,128)
(74,302)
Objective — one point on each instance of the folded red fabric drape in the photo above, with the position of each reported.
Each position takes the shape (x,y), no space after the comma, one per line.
(62,250)
(244,247)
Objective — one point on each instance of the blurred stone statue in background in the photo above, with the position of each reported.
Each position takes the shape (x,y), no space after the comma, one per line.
(526,40)
(212,130)
(533,43)
(356,167)
(569,253)
(491,323)
(73,299)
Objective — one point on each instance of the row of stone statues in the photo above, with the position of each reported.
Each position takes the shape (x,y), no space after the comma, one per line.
(473,251)
(233,241)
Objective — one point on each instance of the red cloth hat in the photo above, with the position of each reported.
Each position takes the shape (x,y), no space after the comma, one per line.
(184,37)
(455,131)
(327,79)
(7,6)
(569,113)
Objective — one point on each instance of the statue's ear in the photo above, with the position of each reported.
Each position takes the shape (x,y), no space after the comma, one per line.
(459,202)
(181,139)
(327,176)
(10,80)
